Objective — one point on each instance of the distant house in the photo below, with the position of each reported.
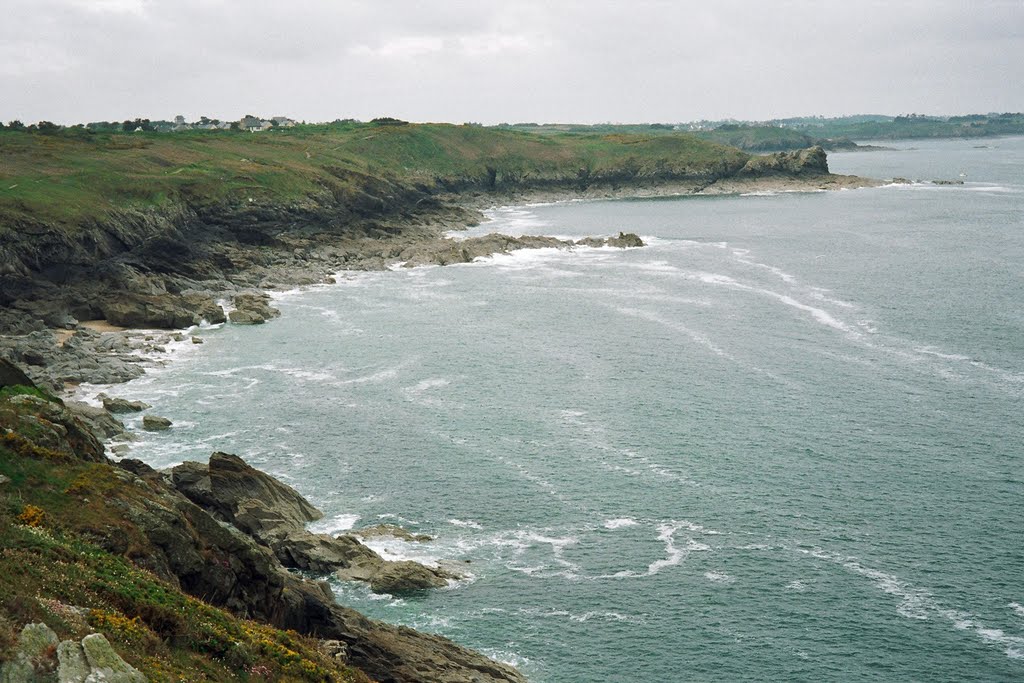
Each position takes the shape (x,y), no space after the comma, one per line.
(254,125)
(283,122)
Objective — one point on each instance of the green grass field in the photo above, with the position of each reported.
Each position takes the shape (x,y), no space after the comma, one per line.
(73,176)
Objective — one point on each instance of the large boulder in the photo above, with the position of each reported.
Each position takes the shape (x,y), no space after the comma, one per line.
(406,576)
(99,420)
(163,311)
(122,405)
(156,423)
(252,309)
(228,481)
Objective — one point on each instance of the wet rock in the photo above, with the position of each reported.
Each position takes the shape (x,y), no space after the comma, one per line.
(239,317)
(155,423)
(122,405)
(625,240)
(391,530)
(197,340)
(252,309)
(405,577)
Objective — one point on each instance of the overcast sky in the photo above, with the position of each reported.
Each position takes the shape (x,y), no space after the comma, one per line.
(561,60)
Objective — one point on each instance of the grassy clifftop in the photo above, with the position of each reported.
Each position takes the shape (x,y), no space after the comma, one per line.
(72,176)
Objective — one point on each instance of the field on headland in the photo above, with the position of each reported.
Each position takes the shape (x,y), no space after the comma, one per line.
(75,175)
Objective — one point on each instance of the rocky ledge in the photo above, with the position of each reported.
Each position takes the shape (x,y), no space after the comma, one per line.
(223,532)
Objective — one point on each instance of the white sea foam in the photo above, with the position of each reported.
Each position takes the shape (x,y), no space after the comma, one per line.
(466,523)
(335,524)
(719,577)
(1018,608)
(619,523)
(920,604)
(798,586)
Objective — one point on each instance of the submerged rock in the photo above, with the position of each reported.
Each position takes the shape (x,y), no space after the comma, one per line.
(392,530)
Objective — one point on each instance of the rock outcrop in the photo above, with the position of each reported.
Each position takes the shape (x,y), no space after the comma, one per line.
(41,658)
(252,309)
(275,516)
(805,162)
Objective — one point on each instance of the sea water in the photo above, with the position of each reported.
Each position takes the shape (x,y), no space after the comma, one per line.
(783,441)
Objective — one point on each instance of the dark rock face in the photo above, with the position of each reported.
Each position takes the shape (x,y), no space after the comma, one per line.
(229,481)
(11,375)
(160,311)
(805,162)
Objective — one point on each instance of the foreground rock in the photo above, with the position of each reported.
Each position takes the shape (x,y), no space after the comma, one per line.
(275,516)
(41,656)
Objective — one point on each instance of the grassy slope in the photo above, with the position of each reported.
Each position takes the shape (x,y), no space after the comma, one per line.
(50,572)
(72,177)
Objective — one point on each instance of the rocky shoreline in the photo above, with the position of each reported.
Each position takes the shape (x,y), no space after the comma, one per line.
(226,282)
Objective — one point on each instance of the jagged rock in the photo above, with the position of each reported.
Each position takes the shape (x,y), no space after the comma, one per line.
(406,576)
(240,317)
(204,307)
(35,657)
(99,420)
(107,665)
(12,375)
(901,181)
(392,530)
(155,423)
(810,161)
(252,309)
(228,481)
(162,311)
(122,405)
(197,340)
(625,240)
(53,426)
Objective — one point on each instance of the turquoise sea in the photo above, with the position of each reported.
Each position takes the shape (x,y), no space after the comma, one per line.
(784,441)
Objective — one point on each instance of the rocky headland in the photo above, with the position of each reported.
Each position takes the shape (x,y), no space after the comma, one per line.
(96,303)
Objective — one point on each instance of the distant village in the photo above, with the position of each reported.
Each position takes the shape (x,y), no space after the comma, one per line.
(253,124)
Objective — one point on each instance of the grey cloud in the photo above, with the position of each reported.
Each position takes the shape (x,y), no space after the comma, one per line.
(647,60)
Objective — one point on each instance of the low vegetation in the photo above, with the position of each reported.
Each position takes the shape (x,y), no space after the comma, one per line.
(75,176)
(54,509)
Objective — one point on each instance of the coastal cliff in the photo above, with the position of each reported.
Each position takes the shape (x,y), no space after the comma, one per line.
(182,590)
(146,231)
